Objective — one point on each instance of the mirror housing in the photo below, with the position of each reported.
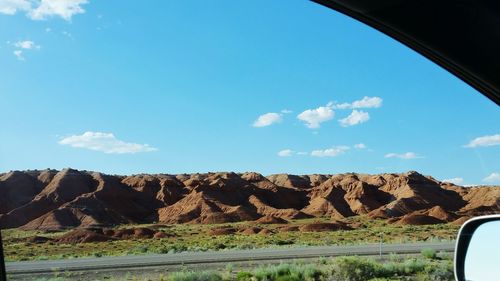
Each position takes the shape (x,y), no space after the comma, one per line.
(464,239)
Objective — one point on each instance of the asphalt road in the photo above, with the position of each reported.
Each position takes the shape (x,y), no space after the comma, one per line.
(191,258)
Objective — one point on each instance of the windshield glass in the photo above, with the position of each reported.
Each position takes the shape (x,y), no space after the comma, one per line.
(190,140)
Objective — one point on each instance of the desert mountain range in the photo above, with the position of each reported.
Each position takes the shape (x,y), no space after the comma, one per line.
(55,200)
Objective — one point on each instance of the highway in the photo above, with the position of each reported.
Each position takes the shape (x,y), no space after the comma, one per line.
(204,258)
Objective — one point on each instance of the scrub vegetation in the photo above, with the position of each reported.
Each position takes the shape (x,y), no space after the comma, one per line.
(20,245)
(396,268)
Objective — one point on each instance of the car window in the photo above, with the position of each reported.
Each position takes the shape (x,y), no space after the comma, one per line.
(248,141)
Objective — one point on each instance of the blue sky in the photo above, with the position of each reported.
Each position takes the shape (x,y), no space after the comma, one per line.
(179,86)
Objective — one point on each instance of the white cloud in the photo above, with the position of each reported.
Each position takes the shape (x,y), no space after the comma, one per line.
(330,152)
(360,146)
(285,153)
(456,181)
(406,156)
(62,8)
(18,54)
(493,177)
(267,119)
(314,117)
(10,7)
(43,9)
(22,46)
(365,102)
(356,117)
(484,141)
(344,105)
(27,45)
(104,142)
(368,102)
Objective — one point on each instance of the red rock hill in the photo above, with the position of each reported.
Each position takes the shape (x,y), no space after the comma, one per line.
(53,200)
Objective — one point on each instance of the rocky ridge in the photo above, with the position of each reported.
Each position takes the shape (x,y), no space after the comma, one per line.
(55,200)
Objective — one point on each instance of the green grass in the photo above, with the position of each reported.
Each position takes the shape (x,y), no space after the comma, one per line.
(193,237)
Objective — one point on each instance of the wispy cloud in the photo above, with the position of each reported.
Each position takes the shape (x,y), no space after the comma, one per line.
(267,119)
(43,9)
(22,46)
(104,142)
(484,141)
(10,7)
(314,117)
(285,153)
(26,44)
(360,146)
(19,55)
(365,102)
(356,117)
(457,181)
(492,178)
(330,152)
(406,156)
(65,9)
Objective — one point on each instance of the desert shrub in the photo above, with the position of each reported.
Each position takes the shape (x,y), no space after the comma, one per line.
(243,276)
(393,257)
(97,254)
(355,269)
(293,277)
(323,260)
(261,273)
(273,272)
(407,268)
(444,256)
(141,249)
(245,246)
(438,272)
(310,272)
(287,272)
(162,250)
(195,276)
(429,253)
(42,258)
(220,246)
(178,248)
(412,266)
(391,269)
(283,242)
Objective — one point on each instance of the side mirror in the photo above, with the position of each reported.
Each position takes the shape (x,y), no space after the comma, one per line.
(477,253)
